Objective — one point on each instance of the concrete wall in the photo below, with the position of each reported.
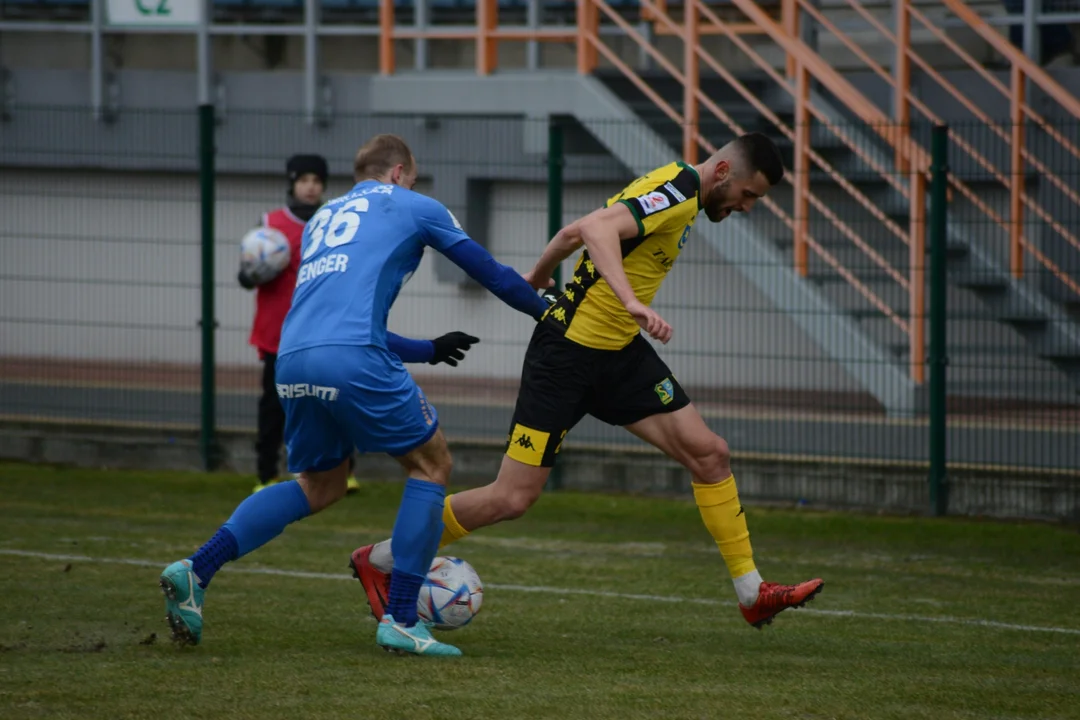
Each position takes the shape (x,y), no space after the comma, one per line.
(106,266)
(808,483)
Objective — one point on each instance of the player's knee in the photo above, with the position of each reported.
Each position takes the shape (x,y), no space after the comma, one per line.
(515,503)
(323,489)
(439,473)
(721,452)
(442,466)
(432,462)
(709,459)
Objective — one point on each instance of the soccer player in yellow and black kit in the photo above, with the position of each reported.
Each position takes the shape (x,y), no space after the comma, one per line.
(587,357)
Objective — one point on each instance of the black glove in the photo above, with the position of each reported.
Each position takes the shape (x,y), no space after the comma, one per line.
(451,347)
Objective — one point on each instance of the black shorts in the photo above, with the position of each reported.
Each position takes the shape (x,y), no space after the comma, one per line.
(562,382)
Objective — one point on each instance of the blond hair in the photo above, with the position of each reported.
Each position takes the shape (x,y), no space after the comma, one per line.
(380,154)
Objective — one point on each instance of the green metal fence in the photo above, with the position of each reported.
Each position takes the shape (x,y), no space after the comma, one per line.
(119,304)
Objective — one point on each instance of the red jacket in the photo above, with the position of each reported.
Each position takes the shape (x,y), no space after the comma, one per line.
(273,299)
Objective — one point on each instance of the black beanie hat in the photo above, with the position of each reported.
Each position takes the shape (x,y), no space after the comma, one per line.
(301,164)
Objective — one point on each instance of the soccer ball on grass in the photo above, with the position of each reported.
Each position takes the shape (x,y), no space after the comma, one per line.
(451,595)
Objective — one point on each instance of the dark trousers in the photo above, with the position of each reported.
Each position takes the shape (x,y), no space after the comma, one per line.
(271,424)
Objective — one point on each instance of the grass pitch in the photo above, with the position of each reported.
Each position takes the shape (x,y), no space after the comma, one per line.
(594,607)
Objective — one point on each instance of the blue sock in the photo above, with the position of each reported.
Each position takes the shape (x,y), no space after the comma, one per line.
(414,543)
(262,516)
(217,551)
(255,522)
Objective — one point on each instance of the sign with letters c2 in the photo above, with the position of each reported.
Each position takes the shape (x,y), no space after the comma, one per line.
(154,13)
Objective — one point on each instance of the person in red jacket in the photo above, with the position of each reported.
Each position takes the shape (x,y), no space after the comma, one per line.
(306,175)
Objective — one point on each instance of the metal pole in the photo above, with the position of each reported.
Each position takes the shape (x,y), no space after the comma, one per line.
(311,61)
(555,187)
(532,47)
(555,212)
(97,61)
(208,323)
(420,48)
(939,359)
(203,54)
(1031,31)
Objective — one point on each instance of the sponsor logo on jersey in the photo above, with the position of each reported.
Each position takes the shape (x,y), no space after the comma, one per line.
(685,237)
(679,197)
(654,201)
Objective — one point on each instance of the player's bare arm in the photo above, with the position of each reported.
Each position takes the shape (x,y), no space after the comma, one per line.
(565,243)
(602,233)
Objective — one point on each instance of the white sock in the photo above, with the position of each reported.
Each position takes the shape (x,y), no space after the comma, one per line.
(746,587)
(381,557)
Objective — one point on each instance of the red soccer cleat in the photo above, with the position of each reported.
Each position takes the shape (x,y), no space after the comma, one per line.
(376,583)
(774,598)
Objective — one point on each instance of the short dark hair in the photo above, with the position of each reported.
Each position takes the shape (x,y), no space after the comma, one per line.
(761,155)
(380,154)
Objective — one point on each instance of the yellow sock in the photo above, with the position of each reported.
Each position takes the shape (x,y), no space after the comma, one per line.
(452,530)
(724,517)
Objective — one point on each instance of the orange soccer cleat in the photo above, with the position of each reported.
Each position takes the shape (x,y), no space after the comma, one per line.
(376,583)
(774,598)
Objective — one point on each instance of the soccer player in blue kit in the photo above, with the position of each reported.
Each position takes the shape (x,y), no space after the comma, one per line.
(342,383)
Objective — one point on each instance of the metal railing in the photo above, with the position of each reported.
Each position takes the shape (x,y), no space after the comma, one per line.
(1015,94)
(807,66)
(908,173)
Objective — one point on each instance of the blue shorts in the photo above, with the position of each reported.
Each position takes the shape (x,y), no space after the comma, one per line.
(340,397)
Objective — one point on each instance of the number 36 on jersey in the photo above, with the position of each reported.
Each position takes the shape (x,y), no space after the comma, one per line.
(332,229)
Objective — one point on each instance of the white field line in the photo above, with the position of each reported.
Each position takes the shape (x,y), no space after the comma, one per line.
(971,622)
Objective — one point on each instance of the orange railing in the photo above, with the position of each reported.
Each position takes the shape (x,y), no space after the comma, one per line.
(908,172)
(488,34)
(1020,114)
(807,65)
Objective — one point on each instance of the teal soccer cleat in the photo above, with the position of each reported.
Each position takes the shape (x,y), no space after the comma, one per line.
(417,640)
(183,602)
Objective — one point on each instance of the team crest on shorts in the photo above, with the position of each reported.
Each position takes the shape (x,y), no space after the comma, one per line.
(665,391)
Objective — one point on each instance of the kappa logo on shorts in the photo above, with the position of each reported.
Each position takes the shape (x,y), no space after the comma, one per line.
(665,390)
(527,445)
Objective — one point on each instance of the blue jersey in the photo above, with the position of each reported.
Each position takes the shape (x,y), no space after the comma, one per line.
(356,254)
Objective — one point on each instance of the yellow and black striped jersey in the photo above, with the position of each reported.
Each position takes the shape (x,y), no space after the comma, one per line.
(665,203)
